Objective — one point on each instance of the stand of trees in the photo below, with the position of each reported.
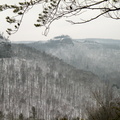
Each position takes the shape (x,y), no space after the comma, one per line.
(108,107)
(5,48)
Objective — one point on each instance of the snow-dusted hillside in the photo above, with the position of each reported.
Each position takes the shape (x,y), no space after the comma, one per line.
(39,86)
(100,56)
(32,80)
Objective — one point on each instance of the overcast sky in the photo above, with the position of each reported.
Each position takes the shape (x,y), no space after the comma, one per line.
(100,28)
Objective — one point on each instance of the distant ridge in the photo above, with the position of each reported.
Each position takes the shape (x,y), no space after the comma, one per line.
(58,38)
(100,56)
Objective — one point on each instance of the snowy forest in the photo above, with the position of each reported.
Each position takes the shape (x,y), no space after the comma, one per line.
(42,81)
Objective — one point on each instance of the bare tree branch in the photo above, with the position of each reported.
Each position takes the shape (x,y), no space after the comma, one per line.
(56,9)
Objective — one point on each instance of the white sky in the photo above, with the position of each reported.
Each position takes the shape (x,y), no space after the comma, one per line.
(100,28)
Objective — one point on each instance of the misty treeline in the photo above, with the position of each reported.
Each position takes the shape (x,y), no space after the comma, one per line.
(38,86)
(100,56)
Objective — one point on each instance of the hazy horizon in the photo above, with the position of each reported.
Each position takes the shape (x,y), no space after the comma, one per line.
(60,35)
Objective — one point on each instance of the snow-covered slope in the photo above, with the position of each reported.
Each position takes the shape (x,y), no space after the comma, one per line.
(34,80)
(100,56)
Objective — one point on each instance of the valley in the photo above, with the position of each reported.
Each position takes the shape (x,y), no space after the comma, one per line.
(61,78)
(99,56)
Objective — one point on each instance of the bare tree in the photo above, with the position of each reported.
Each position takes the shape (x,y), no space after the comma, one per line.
(107,105)
(56,9)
